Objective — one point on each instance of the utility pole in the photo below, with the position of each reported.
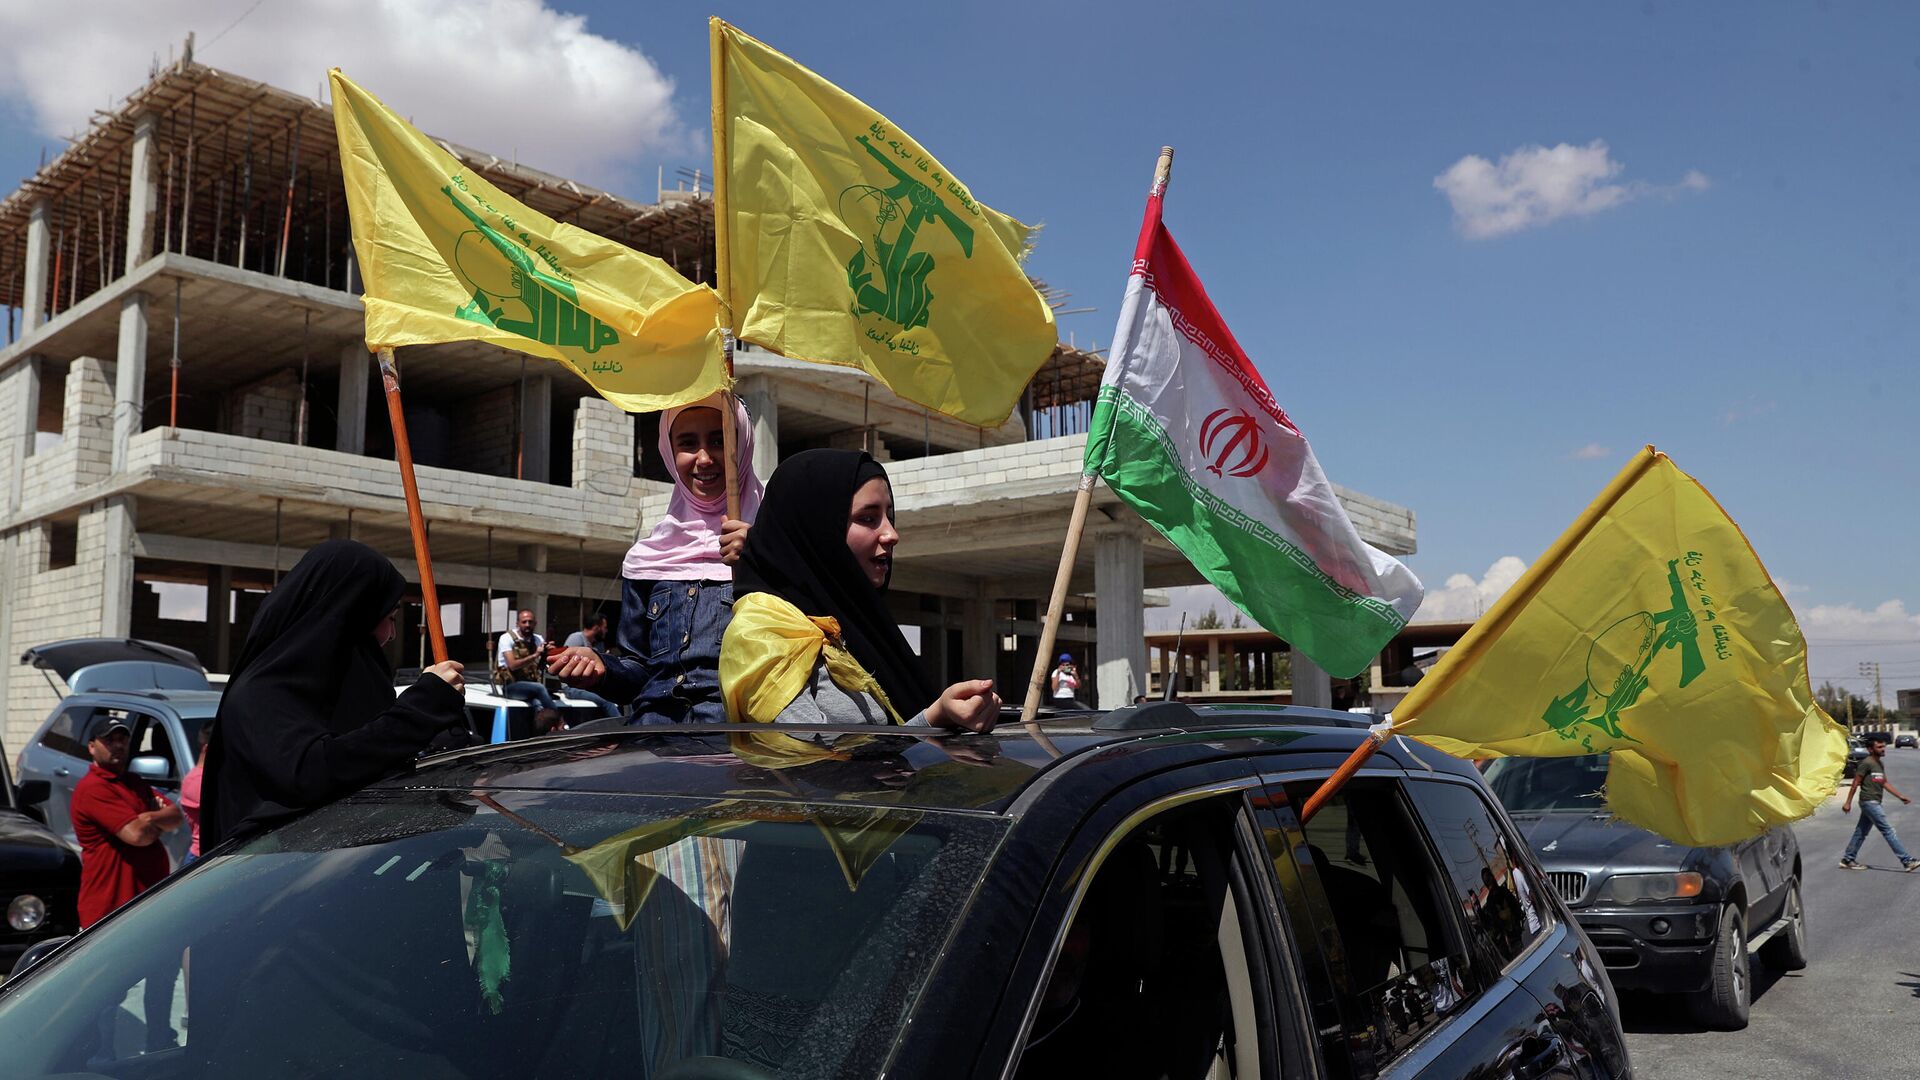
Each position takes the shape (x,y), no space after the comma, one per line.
(1872,667)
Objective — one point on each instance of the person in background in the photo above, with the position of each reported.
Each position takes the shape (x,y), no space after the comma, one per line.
(812,641)
(118,819)
(1064,683)
(1870,782)
(592,636)
(677,581)
(310,713)
(190,794)
(519,659)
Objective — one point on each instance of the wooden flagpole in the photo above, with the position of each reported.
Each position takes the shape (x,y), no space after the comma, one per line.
(1076,524)
(1331,785)
(722,256)
(416,521)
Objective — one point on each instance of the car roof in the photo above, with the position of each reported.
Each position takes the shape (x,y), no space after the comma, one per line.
(188,704)
(929,770)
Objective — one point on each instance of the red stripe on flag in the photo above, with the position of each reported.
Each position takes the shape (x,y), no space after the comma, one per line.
(1163,268)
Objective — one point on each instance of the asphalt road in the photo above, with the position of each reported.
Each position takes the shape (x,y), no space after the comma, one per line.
(1855,1011)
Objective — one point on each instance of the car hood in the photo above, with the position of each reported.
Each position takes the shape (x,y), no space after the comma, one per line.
(25,844)
(1585,840)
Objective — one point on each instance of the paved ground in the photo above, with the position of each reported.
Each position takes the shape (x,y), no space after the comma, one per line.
(1855,1011)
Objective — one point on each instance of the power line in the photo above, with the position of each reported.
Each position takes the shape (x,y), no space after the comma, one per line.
(234,23)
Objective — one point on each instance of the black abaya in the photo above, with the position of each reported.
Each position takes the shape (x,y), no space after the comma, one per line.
(309,714)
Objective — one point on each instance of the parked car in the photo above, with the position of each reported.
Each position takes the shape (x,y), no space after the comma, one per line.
(496,717)
(160,692)
(1666,917)
(39,873)
(1134,887)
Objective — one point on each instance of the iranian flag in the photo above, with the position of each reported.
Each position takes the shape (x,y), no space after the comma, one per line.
(1186,431)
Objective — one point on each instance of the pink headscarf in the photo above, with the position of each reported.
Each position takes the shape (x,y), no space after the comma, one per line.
(685,545)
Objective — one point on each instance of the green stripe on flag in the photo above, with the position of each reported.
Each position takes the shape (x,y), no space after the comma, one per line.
(1265,574)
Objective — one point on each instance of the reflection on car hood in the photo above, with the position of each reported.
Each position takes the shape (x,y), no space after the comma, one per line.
(25,844)
(1583,840)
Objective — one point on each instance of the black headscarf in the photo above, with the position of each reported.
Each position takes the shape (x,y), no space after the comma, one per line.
(797,551)
(309,713)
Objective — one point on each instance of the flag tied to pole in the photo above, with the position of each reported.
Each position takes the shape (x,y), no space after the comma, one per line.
(848,243)
(446,256)
(1650,632)
(1186,431)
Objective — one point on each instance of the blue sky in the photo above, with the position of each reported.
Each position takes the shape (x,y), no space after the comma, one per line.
(1734,277)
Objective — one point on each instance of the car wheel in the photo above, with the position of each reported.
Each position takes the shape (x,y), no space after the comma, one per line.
(1723,1004)
(1787,950)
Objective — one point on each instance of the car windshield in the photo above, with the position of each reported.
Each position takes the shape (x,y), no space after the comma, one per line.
(1532,784)
(439,934)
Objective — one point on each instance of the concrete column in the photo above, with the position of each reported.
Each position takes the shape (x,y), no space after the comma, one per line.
(143,193)
(219,654)
(533,557)
(536,428)
(356,365)
(39,244)
(1119,577)
(1311,687)
(979,645)
(20,393)
(1213,665)
(762,398)
(130,381)
(116,587)
(9,588)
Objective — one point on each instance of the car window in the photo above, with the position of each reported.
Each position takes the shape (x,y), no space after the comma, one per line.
(1154,977)
(67,733)
(1526,785)
(1491,887)
(150,739)
(1399,964)
(429,934)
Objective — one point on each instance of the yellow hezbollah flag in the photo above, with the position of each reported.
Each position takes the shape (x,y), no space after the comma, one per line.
(843,241)
(446,256)
(1648,631)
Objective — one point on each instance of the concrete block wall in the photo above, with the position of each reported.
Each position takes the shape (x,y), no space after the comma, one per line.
(17,420)
(50,605)
(266,409)
(85,453)
(603,449)
(483,432)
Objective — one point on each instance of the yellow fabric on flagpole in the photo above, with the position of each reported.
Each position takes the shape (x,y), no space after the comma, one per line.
(446,256)
(846,242)
(1649,631)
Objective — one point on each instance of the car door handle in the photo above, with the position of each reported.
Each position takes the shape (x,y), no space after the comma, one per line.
(1552,1053)
(62,771)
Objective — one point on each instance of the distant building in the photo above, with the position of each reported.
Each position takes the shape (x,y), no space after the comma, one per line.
(1250,664)
(186,405)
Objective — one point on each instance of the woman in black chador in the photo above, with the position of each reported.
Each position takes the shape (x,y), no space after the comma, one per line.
(309,714)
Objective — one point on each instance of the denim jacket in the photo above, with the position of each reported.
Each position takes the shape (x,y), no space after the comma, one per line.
(668,666)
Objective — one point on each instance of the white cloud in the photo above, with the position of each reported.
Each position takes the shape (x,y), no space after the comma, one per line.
(1840,637)
(1535,185)
(1593,451)
(511,77)
(1463,599)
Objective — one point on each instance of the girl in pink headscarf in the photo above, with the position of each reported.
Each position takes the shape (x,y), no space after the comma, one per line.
(678,580)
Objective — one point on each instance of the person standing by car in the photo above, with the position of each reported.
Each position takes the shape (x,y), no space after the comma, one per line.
(190,789)
(118,819)
(1065,682)
(812,640)
(309,714)
(677,581)
(1870,782)
(518,659)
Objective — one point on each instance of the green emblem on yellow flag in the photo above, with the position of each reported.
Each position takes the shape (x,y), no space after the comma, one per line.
(845,242)
(1649,631)
(446,256)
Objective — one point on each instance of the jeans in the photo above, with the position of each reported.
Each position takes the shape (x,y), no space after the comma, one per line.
(1874,816)
(607,708)
(532,693)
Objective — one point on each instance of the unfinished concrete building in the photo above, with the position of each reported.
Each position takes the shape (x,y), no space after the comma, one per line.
(186,405)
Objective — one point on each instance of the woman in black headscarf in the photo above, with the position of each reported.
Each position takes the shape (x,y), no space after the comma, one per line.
(309,713)
(811,640)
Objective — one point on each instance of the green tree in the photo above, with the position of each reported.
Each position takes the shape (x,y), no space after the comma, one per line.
(1209,621)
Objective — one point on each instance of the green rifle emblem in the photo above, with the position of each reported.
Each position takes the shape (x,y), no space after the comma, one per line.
(902,296)
(545,307)
(1617,665)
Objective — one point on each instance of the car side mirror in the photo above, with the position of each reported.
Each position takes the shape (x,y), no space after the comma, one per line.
(151,767)
(35,792)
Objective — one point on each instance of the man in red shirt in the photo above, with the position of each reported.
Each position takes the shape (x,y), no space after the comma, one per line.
(118,820)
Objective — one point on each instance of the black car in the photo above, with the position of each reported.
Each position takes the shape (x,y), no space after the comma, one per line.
(1666,917)
(1906,742)
(1116,896)
(39,874)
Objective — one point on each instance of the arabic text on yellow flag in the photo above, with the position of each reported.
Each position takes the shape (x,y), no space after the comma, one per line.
(846,242)
(1648,631)
(446,256)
